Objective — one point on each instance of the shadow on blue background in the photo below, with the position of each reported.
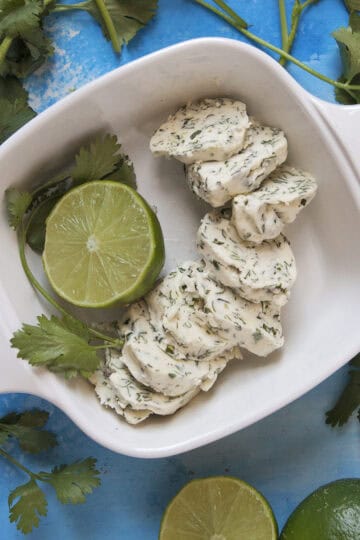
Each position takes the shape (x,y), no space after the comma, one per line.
(286,455)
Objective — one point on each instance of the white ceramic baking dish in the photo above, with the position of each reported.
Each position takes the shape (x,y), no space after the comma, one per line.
(321,321)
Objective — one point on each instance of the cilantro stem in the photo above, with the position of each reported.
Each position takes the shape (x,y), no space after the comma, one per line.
(35,283)
(17,463)
(61,177)
(4,47)
(109,25)
(277,50)
(352,94)
(99,335)
(295,19)
(284,29)
(32,279)
(104,13)
(232,13)
(297,12)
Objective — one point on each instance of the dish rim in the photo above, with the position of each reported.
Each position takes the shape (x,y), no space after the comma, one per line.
(308,102)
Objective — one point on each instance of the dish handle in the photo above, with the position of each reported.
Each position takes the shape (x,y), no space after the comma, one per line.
(16,376)
(344,123)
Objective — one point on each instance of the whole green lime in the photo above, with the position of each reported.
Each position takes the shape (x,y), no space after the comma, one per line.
(332,512)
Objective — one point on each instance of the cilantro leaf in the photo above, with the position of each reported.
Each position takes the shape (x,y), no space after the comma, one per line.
(14,108)
(25,427)
(349,400)
(354,21)
(33,440)
(348,40)
(13,115)
(124,173)
(35,235)
(349,44)
(61,345)
(19,17)
(97,160)
(35,418)
(127,17)
(12,89)
(26,54)
(31,504)
(102,160)
(4,435)
(17,203)
(352,5)
(26,46)
(344,97)
(355,362)
(73,482)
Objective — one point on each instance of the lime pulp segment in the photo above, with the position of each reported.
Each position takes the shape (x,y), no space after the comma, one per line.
(103,245)
(219,508)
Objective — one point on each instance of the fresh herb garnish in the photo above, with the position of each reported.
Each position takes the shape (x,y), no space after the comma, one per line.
(26,429)
(352,5)
(65,344)
(24,46)
(35,235)
(27,502)
(17,203)
(348,40)
(97,160)
(349,400)
(14,108)
(342,86)
(61,345)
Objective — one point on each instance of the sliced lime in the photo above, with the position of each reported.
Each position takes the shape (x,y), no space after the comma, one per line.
(103,245)
(219,508)
(332,512)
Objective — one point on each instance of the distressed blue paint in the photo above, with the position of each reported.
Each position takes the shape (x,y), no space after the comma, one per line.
(90,56)
(286,455)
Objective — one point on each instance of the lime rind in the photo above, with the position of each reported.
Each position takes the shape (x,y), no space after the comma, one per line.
(330,512)
(221,508)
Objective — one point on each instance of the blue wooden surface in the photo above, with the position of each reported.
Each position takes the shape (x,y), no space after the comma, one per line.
(286,455)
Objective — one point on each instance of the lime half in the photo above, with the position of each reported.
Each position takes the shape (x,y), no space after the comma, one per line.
(332,512)
(219,508)
(103,245)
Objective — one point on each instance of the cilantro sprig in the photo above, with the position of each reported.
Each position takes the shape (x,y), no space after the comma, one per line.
(63,344)
(72,483)
(349,400)
(343,87)
(24,46)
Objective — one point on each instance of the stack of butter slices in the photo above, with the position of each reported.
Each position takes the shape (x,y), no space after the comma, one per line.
(181,335)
